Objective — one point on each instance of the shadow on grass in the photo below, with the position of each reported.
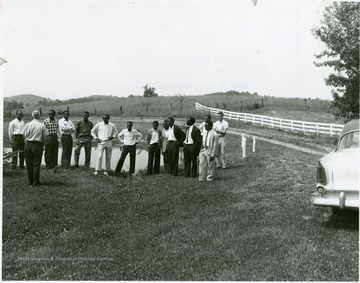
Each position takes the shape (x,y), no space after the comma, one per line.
(345,220)
(12,173)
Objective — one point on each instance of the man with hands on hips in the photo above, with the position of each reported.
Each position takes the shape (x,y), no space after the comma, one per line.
(103,133)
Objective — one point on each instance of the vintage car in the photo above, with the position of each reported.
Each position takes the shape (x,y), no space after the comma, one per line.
(338,172)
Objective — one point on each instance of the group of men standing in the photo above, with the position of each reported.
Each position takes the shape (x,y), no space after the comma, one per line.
(206,143)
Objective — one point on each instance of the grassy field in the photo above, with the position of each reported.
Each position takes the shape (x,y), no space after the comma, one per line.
(181,106)
(254,222)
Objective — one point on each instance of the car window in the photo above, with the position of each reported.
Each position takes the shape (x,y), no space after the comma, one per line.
(350,140)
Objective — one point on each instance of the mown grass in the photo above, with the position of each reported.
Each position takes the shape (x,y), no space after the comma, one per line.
(254,222)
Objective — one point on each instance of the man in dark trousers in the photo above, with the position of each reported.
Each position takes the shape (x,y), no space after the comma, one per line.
(83,139)
(34,134)
(16,128)
(175,137)
(164,147)
(129,137)
(153,139)
(51,141)
(192,146)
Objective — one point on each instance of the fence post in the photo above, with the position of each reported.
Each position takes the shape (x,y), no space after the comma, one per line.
(303,127)
(292,126)
(331,130)
(243,145)
(254,143)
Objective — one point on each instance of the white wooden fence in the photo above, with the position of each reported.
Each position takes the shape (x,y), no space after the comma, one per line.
(283,124)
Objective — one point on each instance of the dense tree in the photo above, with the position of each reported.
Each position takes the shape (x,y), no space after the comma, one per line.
(339,31)
(13,104)
(149,91)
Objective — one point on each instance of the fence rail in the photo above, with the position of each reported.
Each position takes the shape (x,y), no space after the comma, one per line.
(283,124)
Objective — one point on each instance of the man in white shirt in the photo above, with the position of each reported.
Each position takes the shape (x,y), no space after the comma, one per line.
(221,127)
(175,137)
(16,128)
(66,128)
(164,150)
(104,132)
(34,135)
(154,139)
(129,137)
(208,152)
(192,145)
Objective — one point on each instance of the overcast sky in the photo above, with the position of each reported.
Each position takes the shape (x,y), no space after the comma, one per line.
(68,49)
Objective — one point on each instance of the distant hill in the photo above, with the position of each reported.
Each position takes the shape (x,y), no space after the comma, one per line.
(28,100)
(231,92)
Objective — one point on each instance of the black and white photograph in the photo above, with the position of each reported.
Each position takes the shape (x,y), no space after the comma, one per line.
(180,140)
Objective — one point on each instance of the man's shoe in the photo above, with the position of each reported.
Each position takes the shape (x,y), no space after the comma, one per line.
(106,173)
(55,169)
(96,172)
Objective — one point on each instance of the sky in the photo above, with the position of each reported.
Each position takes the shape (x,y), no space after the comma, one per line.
(68,49)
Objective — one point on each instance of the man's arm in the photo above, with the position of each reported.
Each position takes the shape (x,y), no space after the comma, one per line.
(10,132)
(115,132)
(215,142)
(139,136)
(94,131)
(148,136)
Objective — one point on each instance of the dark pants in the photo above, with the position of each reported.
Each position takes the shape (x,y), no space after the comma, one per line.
(87,146)
(18,145)
(67,145)
(33,155)
(166,161)
(51,151)
(190,160)
(173,153)
(153,159)
(127,149)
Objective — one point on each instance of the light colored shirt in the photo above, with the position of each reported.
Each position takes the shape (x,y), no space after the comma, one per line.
(221,126)
(66,127)
(153,136)
(188,138)
(202,127)
(16,127)
(129,138)
(35,131)
(205,138)
(170,134)
(164,141)
(104,131)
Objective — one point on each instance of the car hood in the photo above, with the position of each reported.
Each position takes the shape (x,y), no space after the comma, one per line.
(343,169)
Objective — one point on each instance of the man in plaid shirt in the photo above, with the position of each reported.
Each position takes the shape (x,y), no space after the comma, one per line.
(51,141)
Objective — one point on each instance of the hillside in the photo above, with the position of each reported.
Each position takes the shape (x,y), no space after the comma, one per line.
(28,100)
(314,110)
(185,107)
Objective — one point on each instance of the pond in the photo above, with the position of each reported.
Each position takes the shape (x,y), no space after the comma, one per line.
(141,158)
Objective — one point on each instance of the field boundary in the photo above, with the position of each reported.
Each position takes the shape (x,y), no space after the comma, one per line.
(283,124)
